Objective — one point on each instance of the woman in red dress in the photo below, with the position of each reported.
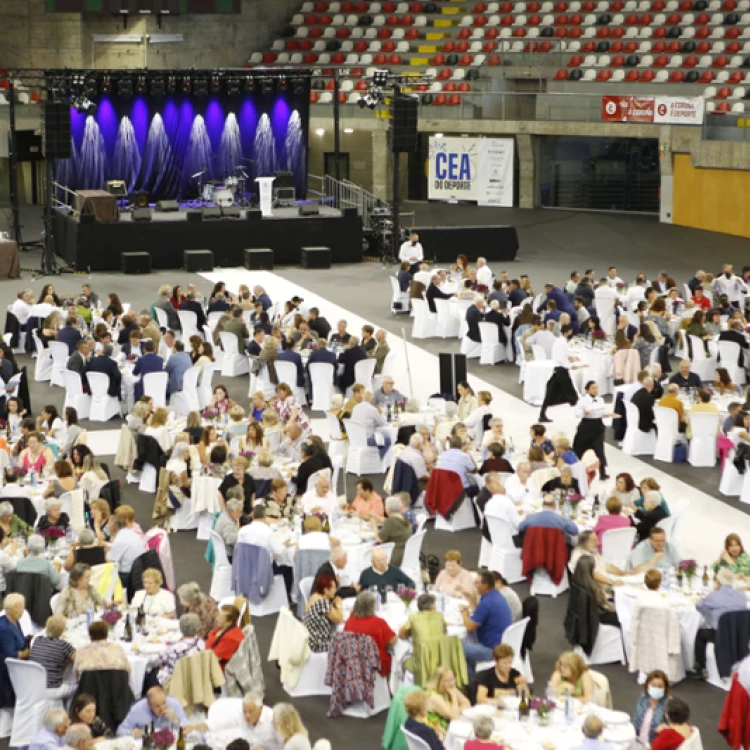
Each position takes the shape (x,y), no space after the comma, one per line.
(677,730)
(225,639)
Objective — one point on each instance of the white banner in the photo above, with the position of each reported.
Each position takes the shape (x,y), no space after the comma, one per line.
(495,179)
(679,110)
(452,173)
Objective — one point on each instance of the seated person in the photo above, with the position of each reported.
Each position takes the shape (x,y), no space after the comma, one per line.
(583,577)
(572,676)
(154,712)
(382,575)
(677,729)
(647,517)
(86,549)
(454,580)
(500,680)
(416,704)
(588,544)
(320,499)
(190,643)
(612,519)
(566,483)
(367,503)
(54,517)
(83,711)
(363,620)
(396,529)
(227,637)
(484,728)
(36,563)
(100,653)
(495,461)
(228,523)
(322,613)
(79,596)
(154,600)
(424,624)
(446,702)
(654,552)
(54,654)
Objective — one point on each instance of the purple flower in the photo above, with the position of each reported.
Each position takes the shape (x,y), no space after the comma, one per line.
(163,738)
(111,616)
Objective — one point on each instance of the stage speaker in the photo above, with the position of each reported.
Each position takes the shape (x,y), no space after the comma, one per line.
(56,137)
(194,215)
(141,214)
(259,259)
(139,200)
(402,129)
(198,260)
(452,372)
(349,211)
(316,257)
(211,213)
(230,212)
(283,180)
(167,206)
(133,263)
(307,209)
(87,219)
(253,214)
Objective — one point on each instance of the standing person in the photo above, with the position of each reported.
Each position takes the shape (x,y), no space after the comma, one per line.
(591,409)
(411,251)
(560,388)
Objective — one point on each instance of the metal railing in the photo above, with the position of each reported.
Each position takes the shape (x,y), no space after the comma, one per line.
(343,194)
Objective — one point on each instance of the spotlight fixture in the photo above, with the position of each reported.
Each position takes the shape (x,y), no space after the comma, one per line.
(249,85)
(125,87)
(83,104)
(186,85)
(233,86)
(107,85)
(283,84)
(141,85)
(172,84)
(380,77)
(298,87)
(91,87)
(158,87)
(215,85)
(267,88)
(348,131)
(368,100)
(200,87)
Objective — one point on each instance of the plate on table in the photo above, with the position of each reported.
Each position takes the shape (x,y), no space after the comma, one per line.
(149,648)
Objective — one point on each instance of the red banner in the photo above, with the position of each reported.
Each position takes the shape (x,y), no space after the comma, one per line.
(628,108)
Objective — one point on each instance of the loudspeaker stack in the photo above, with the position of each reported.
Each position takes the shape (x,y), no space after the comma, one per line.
(402,131)
(56,130)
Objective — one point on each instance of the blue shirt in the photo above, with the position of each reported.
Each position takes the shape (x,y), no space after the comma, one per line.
(590,744)
(493,616)
(140,716)
(46,740)
(456,460)
(724,599)
(549,519)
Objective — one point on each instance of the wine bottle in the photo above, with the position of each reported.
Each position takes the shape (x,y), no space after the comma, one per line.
(128,629)
(705,576)
(523,707)
(181,740)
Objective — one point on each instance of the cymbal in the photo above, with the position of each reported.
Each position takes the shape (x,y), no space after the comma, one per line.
(198,174)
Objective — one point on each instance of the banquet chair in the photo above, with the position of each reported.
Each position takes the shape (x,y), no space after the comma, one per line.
(704,428)
(667,433)
(399,299)
(161,318)
(729,356)
(425,322)
(274,599)
(205,386)
(471,349)
(541,476)
(103,406)
(184,401)
(157,539)
(74,395)
(321,385)
(745,491)
(462,519)
(305,589)
(29,681)
(447,323)
(492,350)
(364,371)
(410,561)
(287,373)
(617,544)
(413,742)
(235,362)
(337,443)
(730,624)
(505,557)
(155,386)
(636,442)
(731,481)
(188,324)
(362,458)
(53,602)
(704,367)
(661,624)
(605,309)
(113,692)
(43,366)
(59,355)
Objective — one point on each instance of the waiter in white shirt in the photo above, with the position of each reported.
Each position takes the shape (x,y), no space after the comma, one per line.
(591,410)
(560,388)
(733,286)
(613,279)
(259,534)
(484,273)
(412,252)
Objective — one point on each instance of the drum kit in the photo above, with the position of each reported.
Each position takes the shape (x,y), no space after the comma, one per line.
(229,192)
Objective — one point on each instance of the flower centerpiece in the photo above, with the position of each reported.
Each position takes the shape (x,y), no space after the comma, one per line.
(574,498)
(688,568)
(111,616)
(400,405)
(52,534)
(406,595)
(162,738)
(620,285)
(481,288)
(598,335)
(210,414)
(543,707)
(249,455)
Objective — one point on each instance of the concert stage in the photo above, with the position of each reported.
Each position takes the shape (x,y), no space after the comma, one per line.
(97,247)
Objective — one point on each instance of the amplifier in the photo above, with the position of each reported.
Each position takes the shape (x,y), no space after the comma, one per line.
(316,257)
(198,260)
(211,213)
(165,206)
(142,214)
(137,262)
(230,212)
(259,259)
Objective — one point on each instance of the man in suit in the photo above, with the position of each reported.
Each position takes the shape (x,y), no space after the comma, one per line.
(320,326)
(643,400)
(380,352)
(262,297)
(105,364)
(735,335)
(149,329)
(255,345)
(218,304)
(191,304)
(163,302)
(434,292)
(179,363)
(349,357)
(474,316)
(684,378)
(321,355)
(500,319)
(336,568)
(133,346)
(236,326)
(79,359)
(70,334)
(149,362)
(289,355)
(516,294)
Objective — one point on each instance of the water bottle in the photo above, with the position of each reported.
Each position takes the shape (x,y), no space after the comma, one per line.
(569,713)
(567,508)
(32,478)
(88,617)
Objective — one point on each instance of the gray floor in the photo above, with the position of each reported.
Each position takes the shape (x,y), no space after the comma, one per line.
(552,243)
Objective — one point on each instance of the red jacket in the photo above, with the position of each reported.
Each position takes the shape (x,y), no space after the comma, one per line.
(544,548)
(226,645)
(734,723)
(445,492)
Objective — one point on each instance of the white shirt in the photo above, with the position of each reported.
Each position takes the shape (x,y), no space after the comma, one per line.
(560,352)
(21,310)
(424,277)
(474,422)
(260,534)
(635,295)
(314,540)
(366,414)
(517,492)
(544,338)
(41,310)
(503,507)
(409,251)
(614,282)
(161,435)
(231,721)
(589,407)
(733,287)
(311,500)
(606,292)
(126,547)
(158,604)
(484,275)
(15,490)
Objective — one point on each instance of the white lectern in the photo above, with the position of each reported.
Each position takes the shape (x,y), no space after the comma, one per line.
(265,187)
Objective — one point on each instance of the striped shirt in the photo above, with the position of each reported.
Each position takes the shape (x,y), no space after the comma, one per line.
(53,654)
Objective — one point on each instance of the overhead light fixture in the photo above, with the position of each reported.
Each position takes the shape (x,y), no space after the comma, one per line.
(369,100)
(172,84)
(186,85)
(380,77)
(141,85)
(298,87)
(200,87)
(215,85)
(233,86)
(348,130)
(125,87)
(267,88)
(249,85)
(320,131)
(157,87)
(283,84)
(83,104)
(106,85)
(91,87)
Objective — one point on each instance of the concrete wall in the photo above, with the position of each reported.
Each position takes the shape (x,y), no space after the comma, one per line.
(30,37)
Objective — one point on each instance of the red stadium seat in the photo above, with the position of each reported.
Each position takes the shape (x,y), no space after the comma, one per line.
(388,46)
(661,61)
(533,7)
(506,8)
(315,32)
(561,32)
(464,33)
(438,60)
(392,20)
(561,75)
(657,6)
(561,20)
(384,33)
(736,77)
(723,93)
(311,19)
(454,100)
(690,61)
(588,47)
(343,32)
(269,57)
(292,45)
(339,58)
(617,33)
(464,86)
(506,20)
(659,47)
(310,58)
(721,61)
(412,33)
(647,76)
(701,19)
(480,20)
(703,48)
(422,87)
(534,20)
(615,47)
(444,74)
(686,5)
(379,59)
(305,45)
(330,86)
(545,46)
(576,19)
(677,76)
(489,47)
(321,7)
(360,45)
(576,61)
(462,47)
(576,32)
(491,33)
(407,20)
(703,33)
(416,7)
(493,60)
(449,87)
(389,7)
(325,20)
(360,86)
(729,5)
(603,32)
(465,61)
(646,19)
(618,61)
(519,32)
(440,99)
(631,76)
(343,97)
(733,48)
(604,75)
(630,47)
(394,60)
(361,7)
(617,6)
(531,47)
(673,19)
(707,76)
(347,7)
(732,32)
(449,47)
(631,19)
(723,107)
(659,33)
(479,8)
(561,6)
(357,72)
(674,48)
(313,97)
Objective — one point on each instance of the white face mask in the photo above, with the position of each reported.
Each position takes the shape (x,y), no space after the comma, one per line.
(656,693)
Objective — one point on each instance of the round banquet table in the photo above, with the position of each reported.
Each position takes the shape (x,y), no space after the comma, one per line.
(599,366)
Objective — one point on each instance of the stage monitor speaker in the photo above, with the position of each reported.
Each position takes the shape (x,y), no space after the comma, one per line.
(452,372)
(167,206)
(198,260)
(283,180)
(141,214)
(253,214)
(316,257)
(230,212)
(139,200)
(194,215)
(211,213)
(133,263)
(349,211)
(307,209)
(56,132)
(402,129)
(258,259)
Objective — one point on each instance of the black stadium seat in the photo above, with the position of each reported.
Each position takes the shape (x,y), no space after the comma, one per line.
(674,33)
(603,46)
(688,46)
(547,31)
(731,19)
(333,45)
(604,19)
(691,76)
(632,60)
(575,74)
